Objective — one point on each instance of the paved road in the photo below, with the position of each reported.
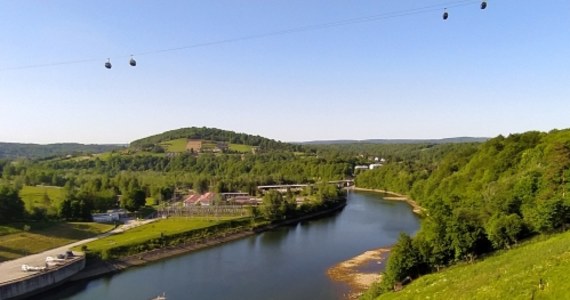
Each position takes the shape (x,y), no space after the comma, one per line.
(12,269)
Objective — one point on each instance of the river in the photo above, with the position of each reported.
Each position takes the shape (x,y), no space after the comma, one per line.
(287,263)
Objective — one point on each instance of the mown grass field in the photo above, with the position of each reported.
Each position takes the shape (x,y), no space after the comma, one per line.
(240,148)
(41,196)
(105,156)
(177,145)
(16,242)
(537,269)
(152,230)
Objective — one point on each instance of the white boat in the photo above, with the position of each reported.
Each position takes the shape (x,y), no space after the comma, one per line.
(27,268)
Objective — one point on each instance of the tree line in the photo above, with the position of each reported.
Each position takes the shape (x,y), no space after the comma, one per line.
(478,198)
(18,150)
(126,180)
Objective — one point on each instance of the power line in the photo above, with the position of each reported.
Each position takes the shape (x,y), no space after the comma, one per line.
(306,28)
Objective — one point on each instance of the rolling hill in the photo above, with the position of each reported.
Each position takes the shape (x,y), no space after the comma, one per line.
(172,139)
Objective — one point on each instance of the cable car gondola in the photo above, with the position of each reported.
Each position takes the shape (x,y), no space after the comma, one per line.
(445,14)
(483,4)
(132,62)
(108,64)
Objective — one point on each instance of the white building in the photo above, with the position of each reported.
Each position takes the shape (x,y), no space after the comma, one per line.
(110,216)
(374,166)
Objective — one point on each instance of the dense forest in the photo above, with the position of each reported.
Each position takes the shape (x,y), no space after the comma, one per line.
(478,198)
(94,183)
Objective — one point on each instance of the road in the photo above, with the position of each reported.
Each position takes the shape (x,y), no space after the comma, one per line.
(12,269)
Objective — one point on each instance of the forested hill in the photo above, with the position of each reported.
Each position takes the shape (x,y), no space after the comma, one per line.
(17,150)
(454,140)
(214,134)
(478,198)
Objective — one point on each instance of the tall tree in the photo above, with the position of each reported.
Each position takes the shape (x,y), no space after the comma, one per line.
(11,206)
(272,207)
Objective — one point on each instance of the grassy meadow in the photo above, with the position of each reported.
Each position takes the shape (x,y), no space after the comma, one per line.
(19,240)
(48,197)
(240,148)
(537,269)
(154,230)
(177,145)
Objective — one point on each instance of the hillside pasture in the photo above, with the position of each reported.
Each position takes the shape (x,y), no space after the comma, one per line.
(152,230)
(240,148)
(537,269)
(154,235)
(179,146)
(175,146)
(47,197)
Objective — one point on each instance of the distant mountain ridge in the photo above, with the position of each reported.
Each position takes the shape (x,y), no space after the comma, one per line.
(20,150)
(453,140)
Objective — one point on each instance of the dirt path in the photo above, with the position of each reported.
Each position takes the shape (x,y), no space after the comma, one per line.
(12,269)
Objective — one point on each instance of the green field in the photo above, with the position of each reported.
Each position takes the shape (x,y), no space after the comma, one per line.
(240,148)
(16,242)
(150,231)
(48,197)
(177,145)
(538,269)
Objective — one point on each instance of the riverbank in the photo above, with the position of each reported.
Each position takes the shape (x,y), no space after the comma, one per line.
(100,268)
(392,196)
(360,272)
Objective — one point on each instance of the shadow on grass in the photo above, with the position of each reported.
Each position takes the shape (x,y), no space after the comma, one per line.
(17,253)
(52,229)
(69,231)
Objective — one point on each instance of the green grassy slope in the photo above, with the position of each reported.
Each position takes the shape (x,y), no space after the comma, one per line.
(35,196)
(150,231)
(177,145)
(240,148)
(538,269)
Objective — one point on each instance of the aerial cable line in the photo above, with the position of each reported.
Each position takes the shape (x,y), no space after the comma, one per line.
(367,19)
(306,28)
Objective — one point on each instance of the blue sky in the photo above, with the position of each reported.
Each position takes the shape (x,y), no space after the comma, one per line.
(480,73)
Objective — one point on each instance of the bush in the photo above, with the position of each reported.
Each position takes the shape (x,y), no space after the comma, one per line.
(503,231)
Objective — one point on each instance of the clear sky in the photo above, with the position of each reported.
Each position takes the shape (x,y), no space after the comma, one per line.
(405,74)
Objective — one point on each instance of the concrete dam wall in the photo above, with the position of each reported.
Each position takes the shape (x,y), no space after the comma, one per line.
(41,281)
